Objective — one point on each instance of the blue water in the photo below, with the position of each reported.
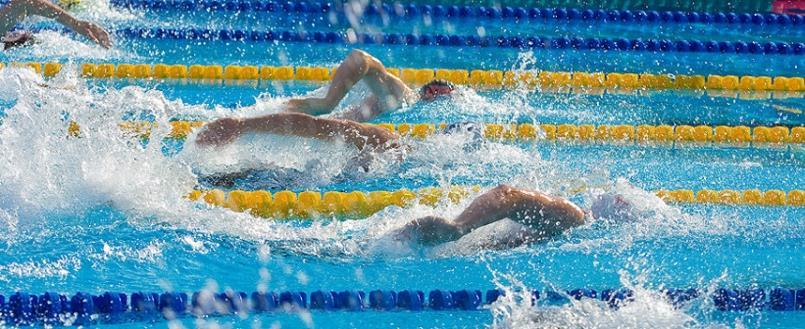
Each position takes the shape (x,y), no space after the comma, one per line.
(104,212)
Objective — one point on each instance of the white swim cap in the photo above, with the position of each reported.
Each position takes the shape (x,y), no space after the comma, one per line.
(613,206)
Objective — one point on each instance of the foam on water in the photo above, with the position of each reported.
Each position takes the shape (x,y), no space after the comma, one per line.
(46,170)
(60,267)
(516,310)
(256,151)
(647,308)
(102,11)
(52,44)
(47,175)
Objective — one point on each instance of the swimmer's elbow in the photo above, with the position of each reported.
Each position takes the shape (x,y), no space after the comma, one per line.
(569,212)
(577,217)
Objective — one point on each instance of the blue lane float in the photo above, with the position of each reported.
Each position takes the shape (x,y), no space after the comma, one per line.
(477,12)
(519,42)
(50,308)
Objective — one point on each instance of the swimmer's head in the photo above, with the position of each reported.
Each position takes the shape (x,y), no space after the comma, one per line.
(16,39)
(436,88)
(613,206)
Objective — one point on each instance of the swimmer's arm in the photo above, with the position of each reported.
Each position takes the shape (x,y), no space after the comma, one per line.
(17,10)
(503,201)
(302,125)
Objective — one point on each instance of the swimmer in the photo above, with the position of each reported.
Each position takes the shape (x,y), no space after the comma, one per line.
(389,93)
(542,216)
(17,10)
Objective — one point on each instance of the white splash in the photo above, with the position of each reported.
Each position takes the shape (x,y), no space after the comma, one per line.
(102,11)
(150,253)
(52,44)
(43,171)
(319,160)
(649,309)
(60,268)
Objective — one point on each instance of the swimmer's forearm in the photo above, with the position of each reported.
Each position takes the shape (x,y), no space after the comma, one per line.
(50,10)
(17,10)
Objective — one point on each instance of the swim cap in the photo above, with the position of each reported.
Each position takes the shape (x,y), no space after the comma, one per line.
(16,39)
(462,127)
(613,206)
(436,89)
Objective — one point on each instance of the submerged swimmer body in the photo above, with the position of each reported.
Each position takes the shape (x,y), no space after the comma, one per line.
(268,179)
(17,10)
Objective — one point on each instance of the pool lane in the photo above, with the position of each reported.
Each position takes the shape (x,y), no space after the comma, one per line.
(504,106)
(317,54)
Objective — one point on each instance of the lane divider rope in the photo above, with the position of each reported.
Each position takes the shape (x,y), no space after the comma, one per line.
(359,204)
(524,14)
(84,309)
(623,134)
(481,78)
(447,40)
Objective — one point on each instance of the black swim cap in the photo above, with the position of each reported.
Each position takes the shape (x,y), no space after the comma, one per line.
(438,83)
(16,39)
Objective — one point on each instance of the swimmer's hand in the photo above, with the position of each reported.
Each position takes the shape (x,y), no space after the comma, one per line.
(93,32)
(220,132)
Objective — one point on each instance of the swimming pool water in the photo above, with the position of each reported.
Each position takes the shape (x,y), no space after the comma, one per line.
(105,212)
